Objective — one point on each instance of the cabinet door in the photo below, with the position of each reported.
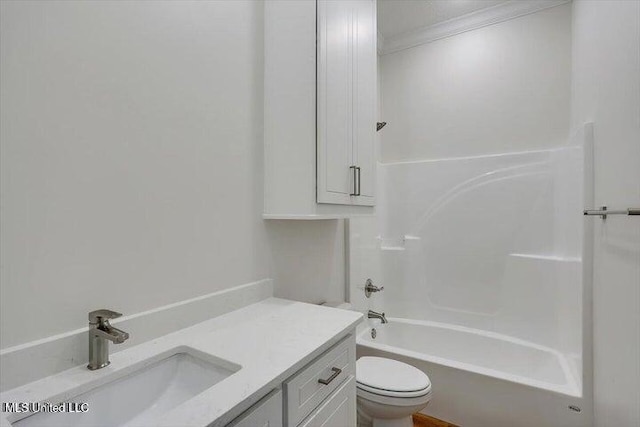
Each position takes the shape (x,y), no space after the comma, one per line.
(265,413)
(338,410)
(346,90)
(335,101)
(365,89)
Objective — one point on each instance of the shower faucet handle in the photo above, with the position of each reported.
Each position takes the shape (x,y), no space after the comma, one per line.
(370,288)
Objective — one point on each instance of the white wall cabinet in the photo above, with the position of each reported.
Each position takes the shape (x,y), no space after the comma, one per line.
(346,83)
(319,108)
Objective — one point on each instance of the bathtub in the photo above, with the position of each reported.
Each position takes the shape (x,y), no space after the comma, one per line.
(480,378)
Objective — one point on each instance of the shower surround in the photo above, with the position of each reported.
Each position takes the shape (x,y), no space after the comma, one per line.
(482,263)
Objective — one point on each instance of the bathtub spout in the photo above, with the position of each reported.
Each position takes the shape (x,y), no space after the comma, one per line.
(375,315)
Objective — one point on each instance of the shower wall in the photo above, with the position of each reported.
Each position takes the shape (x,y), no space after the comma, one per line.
(478,221)
(501,88)
(489,242)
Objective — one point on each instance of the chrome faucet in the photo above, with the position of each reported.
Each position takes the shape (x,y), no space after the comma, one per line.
(375,315)
(100,333)
(370,288)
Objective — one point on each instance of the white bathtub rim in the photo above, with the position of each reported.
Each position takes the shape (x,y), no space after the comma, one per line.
(571,388)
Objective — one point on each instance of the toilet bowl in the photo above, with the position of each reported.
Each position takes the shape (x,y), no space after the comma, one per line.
(389,392)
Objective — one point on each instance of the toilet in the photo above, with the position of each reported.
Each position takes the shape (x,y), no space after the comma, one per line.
(389,392)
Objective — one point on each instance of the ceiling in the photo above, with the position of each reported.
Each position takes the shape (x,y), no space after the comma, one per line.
(399,16)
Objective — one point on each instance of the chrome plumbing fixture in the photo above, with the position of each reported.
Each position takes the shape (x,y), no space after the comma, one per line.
(375,315)
(100,333)
(370,288)
(603,212)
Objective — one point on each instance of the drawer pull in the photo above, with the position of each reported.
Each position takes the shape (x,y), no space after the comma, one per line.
(336,372)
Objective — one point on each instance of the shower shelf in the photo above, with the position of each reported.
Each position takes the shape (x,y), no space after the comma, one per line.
(391,244)
(547,257)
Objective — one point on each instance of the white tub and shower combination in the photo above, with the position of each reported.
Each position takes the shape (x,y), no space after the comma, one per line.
(482,262)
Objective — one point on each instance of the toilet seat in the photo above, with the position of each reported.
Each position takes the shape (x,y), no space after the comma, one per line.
(396,401)
(381,377)
(391,393)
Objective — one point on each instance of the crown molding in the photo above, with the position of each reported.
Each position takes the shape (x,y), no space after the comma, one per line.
(471,21)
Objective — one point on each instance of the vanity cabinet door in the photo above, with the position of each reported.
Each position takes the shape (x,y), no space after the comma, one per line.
(265,413)
(338,410)
(346,100)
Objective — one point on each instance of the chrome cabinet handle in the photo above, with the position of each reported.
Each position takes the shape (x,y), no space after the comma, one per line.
(354,169)
(336,372)
(356,180)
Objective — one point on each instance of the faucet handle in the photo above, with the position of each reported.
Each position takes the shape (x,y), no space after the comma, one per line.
(370,288)
(99,316)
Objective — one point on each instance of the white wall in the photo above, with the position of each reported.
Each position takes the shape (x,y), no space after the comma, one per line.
(132,164)
(501,88)
(606,90)
(308,259)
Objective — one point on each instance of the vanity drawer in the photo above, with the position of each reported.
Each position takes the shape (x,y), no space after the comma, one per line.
(310,386)
(338,410)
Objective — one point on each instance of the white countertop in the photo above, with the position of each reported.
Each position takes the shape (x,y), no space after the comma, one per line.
(271,340)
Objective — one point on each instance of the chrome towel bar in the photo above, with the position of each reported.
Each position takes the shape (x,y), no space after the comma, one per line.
(603,212)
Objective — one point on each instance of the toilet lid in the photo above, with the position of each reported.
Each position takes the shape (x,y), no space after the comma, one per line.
(378,373)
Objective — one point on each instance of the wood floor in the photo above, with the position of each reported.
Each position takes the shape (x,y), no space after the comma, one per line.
(420,420)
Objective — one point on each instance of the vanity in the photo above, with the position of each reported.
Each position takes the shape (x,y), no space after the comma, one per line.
(272,363)
(309,397)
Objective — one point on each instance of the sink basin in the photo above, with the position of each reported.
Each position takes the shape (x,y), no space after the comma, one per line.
(142,394)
